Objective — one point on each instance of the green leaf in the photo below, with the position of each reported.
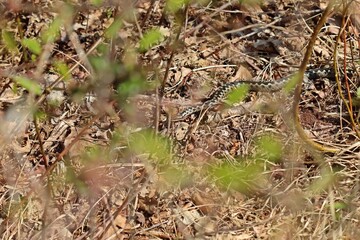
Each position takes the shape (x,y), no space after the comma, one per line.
(270,146)
(73,178)
(147,142)
(32,44)
(52,32)
(251,2)
(100,64)
(97,3)
(291,84)
(28,84)
(245,178)
(175,176)
(41,115)
(62,69)
(9,41)
(150,38)
(238,94)
(175,5)
(113,29)
(33,57)
(358,92)
(321,184)
(134,85)
(338,205)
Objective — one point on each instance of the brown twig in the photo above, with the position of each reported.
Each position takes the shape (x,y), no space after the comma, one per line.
(71,144)
(129,197)
(300,78)
(347,105)
(160,92)
(41,144)
(147,15)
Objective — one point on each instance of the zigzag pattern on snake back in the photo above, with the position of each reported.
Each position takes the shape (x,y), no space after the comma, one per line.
(218,96)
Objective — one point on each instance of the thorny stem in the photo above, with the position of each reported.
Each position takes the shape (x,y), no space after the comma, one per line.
(58,159)
(41,99)
(52,86)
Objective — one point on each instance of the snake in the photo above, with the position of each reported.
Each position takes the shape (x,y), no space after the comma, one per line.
(221,93)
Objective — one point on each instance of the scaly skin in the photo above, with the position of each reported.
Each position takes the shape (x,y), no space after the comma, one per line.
(223,91)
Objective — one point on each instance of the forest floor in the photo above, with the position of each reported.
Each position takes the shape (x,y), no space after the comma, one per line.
(91,147)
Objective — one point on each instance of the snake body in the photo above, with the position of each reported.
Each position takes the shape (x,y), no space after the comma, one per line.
(219,95)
